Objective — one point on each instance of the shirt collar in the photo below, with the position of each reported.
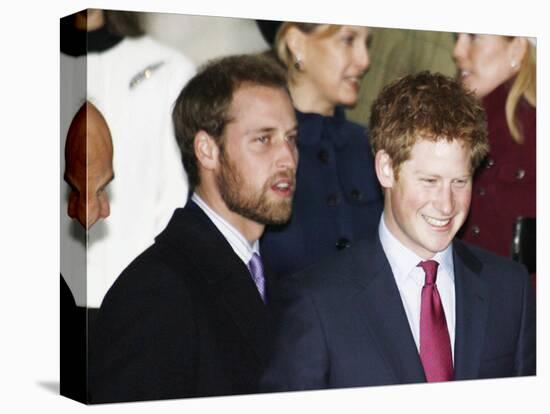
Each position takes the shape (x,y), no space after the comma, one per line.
(238,242)
(403,260)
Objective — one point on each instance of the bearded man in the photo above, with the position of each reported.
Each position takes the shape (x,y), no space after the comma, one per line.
(188,317)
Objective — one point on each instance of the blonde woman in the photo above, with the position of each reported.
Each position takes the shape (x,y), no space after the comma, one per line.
(337,200)
(502,72)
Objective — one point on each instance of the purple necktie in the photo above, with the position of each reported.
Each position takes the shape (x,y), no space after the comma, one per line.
(435,345)
(257,271)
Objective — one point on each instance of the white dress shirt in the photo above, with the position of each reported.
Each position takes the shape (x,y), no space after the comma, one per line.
(238,242)
(410,280)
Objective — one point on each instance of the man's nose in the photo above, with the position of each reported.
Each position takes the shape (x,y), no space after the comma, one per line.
(104,206)
(444,201)
(287,156)
(76,209)
(93,212)
(72,206)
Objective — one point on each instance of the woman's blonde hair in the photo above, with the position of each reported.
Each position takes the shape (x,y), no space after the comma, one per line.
(285,55)
(524,86)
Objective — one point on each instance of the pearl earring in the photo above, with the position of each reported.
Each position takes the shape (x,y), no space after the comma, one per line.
(513,64)
(297,63)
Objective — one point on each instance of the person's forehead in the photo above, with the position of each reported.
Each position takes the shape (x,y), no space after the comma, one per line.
(98,141)
(252,102)
(76,135)
(355,29)
(453,153)
(248,90)
(98,127)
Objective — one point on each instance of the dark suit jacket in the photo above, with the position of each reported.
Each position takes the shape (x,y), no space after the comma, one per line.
(72,344)
(183,320)
(342,323)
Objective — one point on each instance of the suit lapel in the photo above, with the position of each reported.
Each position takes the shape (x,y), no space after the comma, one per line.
(379,304)
(472,305)
(242,301)
(224,272)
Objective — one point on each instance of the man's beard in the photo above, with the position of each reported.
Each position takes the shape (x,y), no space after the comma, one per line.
(250,203)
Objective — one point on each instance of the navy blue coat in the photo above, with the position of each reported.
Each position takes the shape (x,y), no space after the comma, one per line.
(342,323)
(337,201)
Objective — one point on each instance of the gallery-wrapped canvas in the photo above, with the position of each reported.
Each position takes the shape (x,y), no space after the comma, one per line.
(252,206)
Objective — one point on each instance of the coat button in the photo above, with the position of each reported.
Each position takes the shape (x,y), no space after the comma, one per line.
(323,156)
(343,243)
(481,191)
(356,194)
(490,162)
(520,174)
(475,230)
(333,200)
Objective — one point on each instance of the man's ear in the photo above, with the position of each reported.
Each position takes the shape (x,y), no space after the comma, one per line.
(384,169)
(206,150)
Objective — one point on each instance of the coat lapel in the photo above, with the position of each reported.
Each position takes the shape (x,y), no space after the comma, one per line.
(226,275)
(471,312)
(379,304)
(244,304)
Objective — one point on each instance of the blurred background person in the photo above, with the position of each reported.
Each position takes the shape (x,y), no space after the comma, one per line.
(502,72)
(88,172)
(337,199)
(133,80)
(202,38)
(88,166)
(399,52)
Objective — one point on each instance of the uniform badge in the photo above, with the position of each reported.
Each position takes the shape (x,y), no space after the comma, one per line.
(144,74)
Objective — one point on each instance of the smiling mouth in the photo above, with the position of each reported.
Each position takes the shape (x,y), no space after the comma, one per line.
(436,222)
(355,81)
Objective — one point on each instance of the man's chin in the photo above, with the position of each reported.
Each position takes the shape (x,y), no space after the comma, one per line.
(439,247)
(278,218)
(277,214)
(267,214)
(276,221)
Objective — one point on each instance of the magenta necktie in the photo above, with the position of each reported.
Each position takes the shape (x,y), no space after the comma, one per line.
(257,271)
(435,345)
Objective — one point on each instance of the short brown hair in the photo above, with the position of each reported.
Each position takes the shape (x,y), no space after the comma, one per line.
(204,102)
(427,106)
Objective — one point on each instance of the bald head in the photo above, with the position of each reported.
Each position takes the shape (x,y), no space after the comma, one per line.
(88,165)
